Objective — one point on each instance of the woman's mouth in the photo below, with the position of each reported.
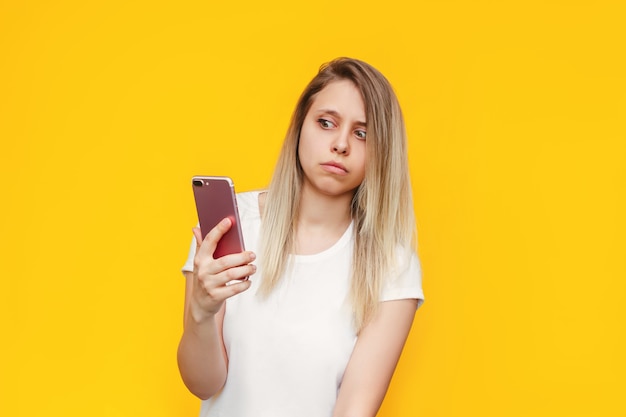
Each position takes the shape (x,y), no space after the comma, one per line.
(334,168)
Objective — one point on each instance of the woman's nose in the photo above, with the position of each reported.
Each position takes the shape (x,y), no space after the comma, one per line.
(340,148)
(341,143)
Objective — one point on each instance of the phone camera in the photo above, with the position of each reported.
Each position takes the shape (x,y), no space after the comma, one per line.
(198,183)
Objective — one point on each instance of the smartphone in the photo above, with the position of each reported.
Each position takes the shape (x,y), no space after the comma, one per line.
(216,200)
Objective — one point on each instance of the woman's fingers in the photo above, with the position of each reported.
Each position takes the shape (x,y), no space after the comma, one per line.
(197,234)
(221,278)
(208,245)
(230,270)
(221,293)
(211,290)
(209,266)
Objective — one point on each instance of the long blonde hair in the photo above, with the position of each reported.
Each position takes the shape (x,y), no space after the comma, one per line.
(382,207)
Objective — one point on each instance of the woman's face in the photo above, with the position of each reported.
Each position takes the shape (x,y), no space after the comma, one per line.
(332,140)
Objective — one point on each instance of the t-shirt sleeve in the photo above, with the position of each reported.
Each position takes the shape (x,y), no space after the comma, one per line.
(406,283)
(188,267)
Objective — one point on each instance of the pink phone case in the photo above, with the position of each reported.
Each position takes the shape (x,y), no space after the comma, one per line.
(215,200)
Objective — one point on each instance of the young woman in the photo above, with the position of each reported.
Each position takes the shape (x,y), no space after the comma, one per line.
(318,328)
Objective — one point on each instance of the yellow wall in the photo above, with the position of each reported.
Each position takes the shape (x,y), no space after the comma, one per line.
(516,116)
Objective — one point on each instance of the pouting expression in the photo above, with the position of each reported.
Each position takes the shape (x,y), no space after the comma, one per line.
(332,140)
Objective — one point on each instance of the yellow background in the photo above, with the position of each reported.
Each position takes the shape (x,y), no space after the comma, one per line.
(516,117)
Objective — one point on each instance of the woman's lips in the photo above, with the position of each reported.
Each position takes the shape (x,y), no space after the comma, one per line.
(334,167)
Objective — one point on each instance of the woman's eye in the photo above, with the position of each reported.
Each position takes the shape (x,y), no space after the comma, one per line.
(326,124)
(360,134)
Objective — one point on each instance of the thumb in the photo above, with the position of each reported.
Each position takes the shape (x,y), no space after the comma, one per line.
(207,245)
(197,234)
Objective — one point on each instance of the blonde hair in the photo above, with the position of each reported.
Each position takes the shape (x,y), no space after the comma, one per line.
(382,207)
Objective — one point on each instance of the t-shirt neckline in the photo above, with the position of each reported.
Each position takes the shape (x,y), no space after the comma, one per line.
(336,247)
(326,253)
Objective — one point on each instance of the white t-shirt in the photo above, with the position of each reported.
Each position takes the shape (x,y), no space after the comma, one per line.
(287,352)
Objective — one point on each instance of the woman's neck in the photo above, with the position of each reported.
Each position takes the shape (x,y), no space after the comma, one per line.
(321,221)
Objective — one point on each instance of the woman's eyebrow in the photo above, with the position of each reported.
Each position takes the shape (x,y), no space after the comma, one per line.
(336,114)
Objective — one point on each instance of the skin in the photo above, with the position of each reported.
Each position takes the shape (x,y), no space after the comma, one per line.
(202,358)
(332,155)
(332,142)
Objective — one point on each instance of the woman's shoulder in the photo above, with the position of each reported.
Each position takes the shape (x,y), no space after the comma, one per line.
(405,280)
(248,203)
(405,258)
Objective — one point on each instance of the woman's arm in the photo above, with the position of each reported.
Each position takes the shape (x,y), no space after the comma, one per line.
(202,358)
(374,360)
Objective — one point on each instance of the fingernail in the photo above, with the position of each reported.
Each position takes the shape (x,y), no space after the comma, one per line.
(252,256)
